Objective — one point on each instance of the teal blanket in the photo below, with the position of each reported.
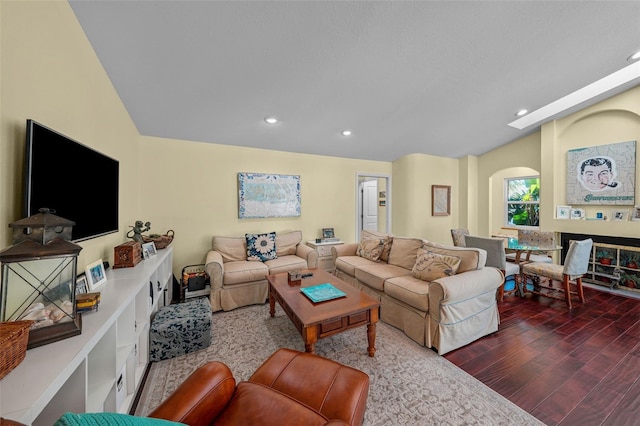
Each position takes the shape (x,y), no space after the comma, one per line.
(109,419)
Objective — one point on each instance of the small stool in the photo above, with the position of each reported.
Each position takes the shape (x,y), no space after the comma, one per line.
(179,329)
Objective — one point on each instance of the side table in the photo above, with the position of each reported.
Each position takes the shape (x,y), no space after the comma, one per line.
(325,259)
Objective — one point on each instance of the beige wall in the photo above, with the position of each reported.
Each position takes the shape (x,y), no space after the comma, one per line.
(50,73)
(614,120)
(413,176)
(192,188)
(520,158)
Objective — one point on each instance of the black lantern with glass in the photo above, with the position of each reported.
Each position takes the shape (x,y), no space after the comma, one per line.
(38,278)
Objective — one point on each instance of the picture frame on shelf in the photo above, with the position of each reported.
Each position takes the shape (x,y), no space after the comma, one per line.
(82,286)
(327,233)
(577,214)
(563,212)
(635,216)
(95,274)
(619,215)
(148,250)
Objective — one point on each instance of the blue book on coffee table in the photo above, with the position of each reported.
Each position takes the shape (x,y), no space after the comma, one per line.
(322,292)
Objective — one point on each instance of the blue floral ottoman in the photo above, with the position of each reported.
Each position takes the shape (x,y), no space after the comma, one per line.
(179,329)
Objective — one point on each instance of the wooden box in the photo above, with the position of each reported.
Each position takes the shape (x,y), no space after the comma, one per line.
(127,255)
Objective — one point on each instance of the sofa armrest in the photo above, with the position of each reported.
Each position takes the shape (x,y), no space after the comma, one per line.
(464,286)
(214,267)
(308,254)
(200,398)
(348,249)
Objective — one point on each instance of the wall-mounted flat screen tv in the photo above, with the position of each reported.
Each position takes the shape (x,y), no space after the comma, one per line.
(79,183)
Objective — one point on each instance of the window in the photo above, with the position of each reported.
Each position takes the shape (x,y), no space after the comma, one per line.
(522,202)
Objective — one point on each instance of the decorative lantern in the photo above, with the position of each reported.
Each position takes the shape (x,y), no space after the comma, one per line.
(38,278)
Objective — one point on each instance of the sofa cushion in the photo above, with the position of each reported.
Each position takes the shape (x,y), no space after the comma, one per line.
(470,258)
(431,266)
(387,240)
(286,243)
(231,248)
(241,272)
(251,401)
(285,263)
(403,252)
(261,247)
(412,291)
(375,274)
(370,248)
(348,264)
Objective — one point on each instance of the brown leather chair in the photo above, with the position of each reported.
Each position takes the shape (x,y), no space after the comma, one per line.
(289,388)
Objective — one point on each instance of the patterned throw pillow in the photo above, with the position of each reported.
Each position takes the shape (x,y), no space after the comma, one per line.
(370,248)
(431,266)
(261,247)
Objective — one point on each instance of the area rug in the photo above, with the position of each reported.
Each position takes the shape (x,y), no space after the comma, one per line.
(410,384)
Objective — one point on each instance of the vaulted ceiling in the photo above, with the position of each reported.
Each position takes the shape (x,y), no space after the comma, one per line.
(443,78)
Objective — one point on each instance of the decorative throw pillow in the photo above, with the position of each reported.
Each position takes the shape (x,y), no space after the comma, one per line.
(261,247)
(431,266)
(370,249)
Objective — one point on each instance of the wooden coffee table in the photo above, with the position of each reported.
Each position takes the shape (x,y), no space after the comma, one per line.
(318,320)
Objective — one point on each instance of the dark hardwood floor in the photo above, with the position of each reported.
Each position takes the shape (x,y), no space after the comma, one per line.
(565,367)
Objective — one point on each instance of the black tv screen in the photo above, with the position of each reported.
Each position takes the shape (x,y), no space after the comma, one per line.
(79,183)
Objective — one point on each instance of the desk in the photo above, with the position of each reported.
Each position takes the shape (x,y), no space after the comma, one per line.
(513,244)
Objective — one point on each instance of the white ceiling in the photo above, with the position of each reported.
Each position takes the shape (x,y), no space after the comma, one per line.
(432,77)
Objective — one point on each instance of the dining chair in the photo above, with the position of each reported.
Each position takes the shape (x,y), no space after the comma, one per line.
(535,238)
(545,275)
(496,257)
(458,236)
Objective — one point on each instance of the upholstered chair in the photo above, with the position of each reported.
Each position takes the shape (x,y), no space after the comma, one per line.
(545,275)
(496,257)
(458,236)
(538,239)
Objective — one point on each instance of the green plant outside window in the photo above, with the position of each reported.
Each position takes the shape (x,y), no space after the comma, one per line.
(522,202)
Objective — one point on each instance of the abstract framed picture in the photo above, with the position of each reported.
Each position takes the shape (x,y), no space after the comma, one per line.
(602,174)
(440,200)
(95,274)
(263,195)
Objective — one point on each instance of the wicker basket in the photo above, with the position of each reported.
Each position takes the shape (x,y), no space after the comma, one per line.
(13,344)
(161,241)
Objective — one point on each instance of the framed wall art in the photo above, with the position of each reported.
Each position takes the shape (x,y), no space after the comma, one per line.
(95,274)
(602,174)
(263,195)
(635,215)
(440,200)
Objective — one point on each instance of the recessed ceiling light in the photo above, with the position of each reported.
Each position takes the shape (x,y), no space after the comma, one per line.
(521,112)
(346,133)
(270,119)
(634,57)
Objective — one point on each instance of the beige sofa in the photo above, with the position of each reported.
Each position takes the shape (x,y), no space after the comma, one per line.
(236,281)
(446,313)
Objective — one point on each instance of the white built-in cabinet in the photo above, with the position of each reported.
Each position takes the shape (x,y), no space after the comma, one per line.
(102,368)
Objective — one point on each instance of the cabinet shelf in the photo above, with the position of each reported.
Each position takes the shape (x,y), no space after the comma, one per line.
(81,372)
(614,265)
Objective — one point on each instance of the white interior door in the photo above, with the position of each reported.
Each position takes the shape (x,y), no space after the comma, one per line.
(370,205)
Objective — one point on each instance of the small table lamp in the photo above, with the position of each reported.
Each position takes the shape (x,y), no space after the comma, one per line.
(39,278)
